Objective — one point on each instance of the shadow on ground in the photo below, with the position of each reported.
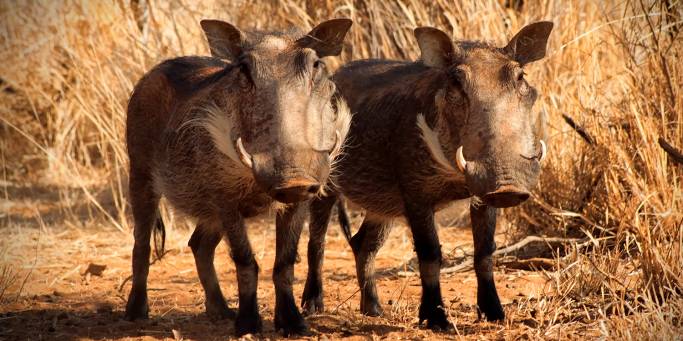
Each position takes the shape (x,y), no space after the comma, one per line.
(104,323)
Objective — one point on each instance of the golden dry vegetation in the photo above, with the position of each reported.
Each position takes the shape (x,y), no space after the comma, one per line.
(613,70)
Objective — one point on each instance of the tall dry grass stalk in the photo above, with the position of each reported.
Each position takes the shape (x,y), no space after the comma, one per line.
(613,67)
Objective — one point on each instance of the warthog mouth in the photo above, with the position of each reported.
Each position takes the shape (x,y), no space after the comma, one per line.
(506,196)
(295,190)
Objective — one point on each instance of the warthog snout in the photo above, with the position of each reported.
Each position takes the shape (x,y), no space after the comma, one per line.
(279,175)
(295,190)
(506,196)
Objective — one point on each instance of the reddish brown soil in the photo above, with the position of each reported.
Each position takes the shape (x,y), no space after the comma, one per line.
(58,301)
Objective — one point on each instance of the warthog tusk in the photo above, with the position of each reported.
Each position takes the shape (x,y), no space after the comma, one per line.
(460,159)
(544,151)
(245,157)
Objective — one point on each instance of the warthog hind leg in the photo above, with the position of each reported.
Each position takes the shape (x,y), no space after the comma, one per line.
(365,244)
(203,243)
(144,202)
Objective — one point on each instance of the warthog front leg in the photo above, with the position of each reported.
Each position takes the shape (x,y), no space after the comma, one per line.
(144,202)
(428,249)
(288,226)
(203,242)
(365,244)
(248,319)
(483,229)
(312,298)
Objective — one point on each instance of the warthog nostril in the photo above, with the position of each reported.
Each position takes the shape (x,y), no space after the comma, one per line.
(506,196)
(295,190)
(313,189)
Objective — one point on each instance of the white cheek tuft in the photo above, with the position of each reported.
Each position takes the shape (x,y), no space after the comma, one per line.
(220,128)
(431,139)
(342,125)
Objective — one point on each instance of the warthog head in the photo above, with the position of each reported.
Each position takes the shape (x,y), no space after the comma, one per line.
(486,104)
(287,125)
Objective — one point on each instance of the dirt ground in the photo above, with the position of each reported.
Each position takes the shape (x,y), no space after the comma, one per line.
(55,296)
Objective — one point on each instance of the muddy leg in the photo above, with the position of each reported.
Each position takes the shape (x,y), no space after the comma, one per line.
(203,242)
(248,319)
(365,244)
(428,249)
(144,202)
(483,229)
(288,229)
(312,299)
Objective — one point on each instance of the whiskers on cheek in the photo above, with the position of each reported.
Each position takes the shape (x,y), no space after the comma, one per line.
(342,126)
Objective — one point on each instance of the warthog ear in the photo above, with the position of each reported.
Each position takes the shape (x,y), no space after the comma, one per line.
(225,40)
(529,43)
(436,47)
(327,38)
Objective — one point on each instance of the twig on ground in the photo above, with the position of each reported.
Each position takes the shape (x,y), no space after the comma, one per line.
(469,262)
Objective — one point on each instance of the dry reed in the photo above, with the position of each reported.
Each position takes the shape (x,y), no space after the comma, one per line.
(613,68)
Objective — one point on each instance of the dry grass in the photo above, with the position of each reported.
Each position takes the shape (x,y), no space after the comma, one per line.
(613,67)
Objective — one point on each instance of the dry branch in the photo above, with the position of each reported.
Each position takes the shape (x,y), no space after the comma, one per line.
(675,154)
(579,129)
(513,252)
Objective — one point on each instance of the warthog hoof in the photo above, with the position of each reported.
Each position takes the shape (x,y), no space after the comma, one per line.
(371,307)
(249,324)
(311,302)
(136,308)
(313,306)
(289,320)
(219,311)
(491,308)
(436,318)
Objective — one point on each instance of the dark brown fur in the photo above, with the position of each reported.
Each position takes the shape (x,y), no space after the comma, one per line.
(183,119)
(471,95)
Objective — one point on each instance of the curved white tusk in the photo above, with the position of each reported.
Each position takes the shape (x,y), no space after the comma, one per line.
(460,160)
(544,151)
(245,157)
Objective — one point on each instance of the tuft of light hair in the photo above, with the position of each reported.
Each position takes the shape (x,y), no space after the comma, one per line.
(342,126)
(431,139)
(220,128)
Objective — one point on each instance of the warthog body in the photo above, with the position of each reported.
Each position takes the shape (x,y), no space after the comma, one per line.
(222,141)
(464,101)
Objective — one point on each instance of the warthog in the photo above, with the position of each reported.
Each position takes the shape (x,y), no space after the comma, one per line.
(464,101)
(223,141)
